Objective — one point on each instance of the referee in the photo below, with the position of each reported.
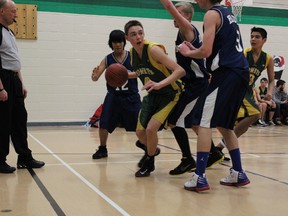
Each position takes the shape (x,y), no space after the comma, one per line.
(13,114)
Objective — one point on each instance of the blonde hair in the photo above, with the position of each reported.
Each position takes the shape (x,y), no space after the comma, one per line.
(187,7)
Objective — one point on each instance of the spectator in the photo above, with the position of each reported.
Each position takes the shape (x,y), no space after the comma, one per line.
(280,97)
(271,105)
(262,107)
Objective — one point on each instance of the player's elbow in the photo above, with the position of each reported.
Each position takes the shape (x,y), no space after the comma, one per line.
(182,72)
(206,53)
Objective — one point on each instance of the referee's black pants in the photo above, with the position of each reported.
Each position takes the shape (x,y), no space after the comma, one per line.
(13,118)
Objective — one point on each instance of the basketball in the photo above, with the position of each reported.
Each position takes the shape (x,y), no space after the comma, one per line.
(116,75)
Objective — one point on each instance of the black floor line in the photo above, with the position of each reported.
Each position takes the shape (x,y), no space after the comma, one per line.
(46,193)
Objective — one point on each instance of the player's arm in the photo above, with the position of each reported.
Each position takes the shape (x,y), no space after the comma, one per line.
(184,25)
(270,74)
(257,96)
(132,75)
(98,70)
(211,21)
(159,55)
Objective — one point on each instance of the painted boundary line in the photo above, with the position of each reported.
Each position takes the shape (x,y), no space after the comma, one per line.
(107,199)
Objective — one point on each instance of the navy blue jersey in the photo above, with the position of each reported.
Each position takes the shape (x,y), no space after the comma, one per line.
(227,47)
(131,86)
(194,68)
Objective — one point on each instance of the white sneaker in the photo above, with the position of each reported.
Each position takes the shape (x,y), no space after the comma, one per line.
(271,123)
(197,183)
(235,179)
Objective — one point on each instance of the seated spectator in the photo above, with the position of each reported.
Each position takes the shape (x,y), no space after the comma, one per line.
(271,105)
(280,98)
(262,107)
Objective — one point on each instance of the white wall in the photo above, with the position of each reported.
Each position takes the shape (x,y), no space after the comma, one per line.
(57,66)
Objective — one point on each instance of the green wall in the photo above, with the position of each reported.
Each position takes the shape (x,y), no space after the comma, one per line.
(151,9)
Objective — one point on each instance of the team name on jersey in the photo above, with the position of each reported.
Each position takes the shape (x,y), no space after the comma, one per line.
(144,71)
(231,19)
(255,71)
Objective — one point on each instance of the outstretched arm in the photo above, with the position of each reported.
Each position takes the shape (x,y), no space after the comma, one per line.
(182,20)
(98,70)
(211,21)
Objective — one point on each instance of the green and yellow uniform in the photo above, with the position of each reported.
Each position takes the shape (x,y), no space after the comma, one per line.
(157,104)
(249,107)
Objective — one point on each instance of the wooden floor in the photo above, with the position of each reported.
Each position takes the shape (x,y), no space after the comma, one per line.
(72,183)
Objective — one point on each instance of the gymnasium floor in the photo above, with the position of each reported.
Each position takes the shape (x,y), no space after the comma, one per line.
(72,183)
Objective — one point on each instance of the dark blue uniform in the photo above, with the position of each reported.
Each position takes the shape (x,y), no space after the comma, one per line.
(122,104)
(230,75)
(195,82)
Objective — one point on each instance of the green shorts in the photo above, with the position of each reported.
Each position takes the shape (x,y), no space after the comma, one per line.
(248,107)
(156,106)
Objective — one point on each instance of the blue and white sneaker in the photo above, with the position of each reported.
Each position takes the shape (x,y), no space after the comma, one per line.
(235,179)
(197,183)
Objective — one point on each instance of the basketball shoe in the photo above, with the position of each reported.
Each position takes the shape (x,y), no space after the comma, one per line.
(147,167)
(215,157)
(100,153)
(186,165)
(197,183)
(235,178)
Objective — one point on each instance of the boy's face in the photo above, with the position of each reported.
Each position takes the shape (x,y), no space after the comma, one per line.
(263,83)
(135,36)
(118,47)
(256,40)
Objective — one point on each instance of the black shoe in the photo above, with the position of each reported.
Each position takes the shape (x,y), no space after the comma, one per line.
(140,145)
(140,163)
(215,157)
(186,165)
(30,164)
(225,158)
(5,168)
(100,153)
(147,168)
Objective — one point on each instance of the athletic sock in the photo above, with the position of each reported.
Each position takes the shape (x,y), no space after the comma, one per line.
(236,160)
(181,137)
(202,158)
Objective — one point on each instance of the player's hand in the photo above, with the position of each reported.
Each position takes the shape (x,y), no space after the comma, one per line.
(185,48)
(150,85)
(94,73)
(268,97)
(268,102)
(191,47)
(3,95)
(25,92)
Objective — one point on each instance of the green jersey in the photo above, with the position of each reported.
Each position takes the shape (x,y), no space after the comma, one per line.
(147,69)
(256,68)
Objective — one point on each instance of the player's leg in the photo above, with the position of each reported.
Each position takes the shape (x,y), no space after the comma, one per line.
(108,122)
(102,150)
(152,121)
(237,176)
(177,122)
(198,180)
(247,115)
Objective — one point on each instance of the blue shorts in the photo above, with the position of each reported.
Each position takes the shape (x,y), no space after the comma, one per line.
(183,112)
(219,106)
(120,110)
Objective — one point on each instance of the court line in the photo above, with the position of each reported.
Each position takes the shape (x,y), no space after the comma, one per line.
(46,193)
(91,186)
